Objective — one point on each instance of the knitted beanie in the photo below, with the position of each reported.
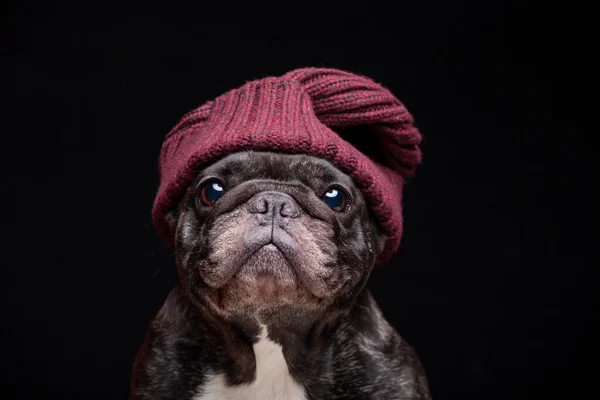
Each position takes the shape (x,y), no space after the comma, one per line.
(322,112)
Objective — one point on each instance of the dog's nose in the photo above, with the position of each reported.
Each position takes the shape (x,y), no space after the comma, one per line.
(274,205)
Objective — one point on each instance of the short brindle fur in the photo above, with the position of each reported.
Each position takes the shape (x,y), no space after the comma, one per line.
(270,252)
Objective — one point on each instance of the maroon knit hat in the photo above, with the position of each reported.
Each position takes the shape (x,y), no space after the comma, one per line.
(304,111)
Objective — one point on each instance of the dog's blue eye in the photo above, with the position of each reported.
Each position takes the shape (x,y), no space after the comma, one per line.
(211,192)
(336,199)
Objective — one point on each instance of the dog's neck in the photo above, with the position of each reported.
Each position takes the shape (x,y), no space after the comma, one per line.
(303,341)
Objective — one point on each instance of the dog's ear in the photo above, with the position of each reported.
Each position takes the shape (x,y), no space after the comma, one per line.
(172,218)
(379,238)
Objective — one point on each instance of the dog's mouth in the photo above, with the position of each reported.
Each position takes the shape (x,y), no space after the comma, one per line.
(270,262)
(268,249)
(271,249)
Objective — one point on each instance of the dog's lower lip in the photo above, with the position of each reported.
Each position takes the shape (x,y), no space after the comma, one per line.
(271,248)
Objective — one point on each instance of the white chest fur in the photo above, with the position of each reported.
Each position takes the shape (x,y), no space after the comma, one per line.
(273,380)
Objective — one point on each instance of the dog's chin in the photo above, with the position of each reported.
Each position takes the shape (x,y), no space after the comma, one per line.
(265,282)
(268,268)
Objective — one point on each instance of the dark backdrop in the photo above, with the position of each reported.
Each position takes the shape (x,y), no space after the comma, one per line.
(490,284)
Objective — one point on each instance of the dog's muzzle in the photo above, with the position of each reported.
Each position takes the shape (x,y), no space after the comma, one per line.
(274,216)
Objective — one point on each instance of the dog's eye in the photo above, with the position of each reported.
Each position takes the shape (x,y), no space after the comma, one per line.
(211,192)
(336,199)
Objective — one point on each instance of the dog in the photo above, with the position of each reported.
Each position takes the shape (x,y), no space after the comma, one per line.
(273,252)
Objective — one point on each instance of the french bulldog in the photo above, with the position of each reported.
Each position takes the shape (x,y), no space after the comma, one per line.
(273,252)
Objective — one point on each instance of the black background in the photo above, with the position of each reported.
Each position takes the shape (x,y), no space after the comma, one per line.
(491,284)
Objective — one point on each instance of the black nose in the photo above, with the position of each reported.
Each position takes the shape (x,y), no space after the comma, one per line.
(274,205)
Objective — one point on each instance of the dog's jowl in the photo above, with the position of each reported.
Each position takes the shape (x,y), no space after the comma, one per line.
(276,229)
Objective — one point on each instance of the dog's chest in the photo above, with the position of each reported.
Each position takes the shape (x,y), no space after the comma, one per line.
(273,380)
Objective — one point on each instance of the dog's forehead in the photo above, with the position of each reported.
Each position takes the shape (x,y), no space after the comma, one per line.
(284,167)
